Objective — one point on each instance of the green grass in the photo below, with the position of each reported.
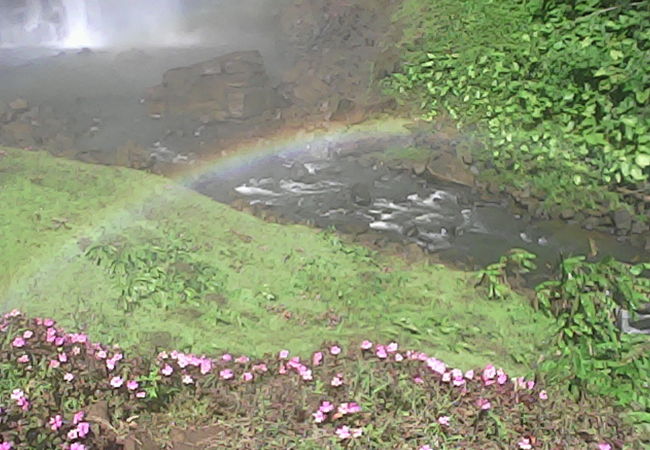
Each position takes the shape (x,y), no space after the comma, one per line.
(270,271)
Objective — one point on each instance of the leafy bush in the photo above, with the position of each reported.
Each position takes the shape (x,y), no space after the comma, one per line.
(59,390)
(593,353)
(563,99)
(515,263)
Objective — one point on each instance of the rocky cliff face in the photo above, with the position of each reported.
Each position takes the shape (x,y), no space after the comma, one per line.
(231,87)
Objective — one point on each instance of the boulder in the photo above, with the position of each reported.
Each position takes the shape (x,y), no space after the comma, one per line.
(622,220)
(231,87)
(447,167)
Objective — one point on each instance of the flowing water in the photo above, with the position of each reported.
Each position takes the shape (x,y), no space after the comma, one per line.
(327,189)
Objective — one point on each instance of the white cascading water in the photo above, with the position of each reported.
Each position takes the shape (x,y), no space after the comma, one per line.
(92,23)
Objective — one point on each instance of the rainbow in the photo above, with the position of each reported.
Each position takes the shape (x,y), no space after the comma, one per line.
(121,214)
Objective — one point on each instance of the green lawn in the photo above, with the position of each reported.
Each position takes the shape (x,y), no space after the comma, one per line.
(284,286)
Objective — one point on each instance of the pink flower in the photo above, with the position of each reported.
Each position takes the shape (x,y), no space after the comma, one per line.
(187,379)
(167,370)
(604,446)
(317,358)
(247,376)
(319,416)
(437,366)
(543,395)
(77,446)
(206,366)
(326,407)
(444,420)
(59,341)
(48,322)
(141,394)
(83,429)
(28,334)
(226,374)
(381,352)
(343,432)
(54,364)
(110,364)
(56,422)
(23,359)
(284,354)
(366,345)
(260,368)
(227,357)
(78,417)
(73,434)
(17,394)
(101,354)
(525,444)
(392,347)
(132,385)
(530,385)
(399,357)
(501,379)
(418,380)
(349,408)
(483,403)
(18,342)
(489,373)
(306,374)
(357,432)
(469,374)
(63,357)
(6,445)
(68,377)
(337,381)
(242,359)
(335,350)
(425,447)
(446,377)
(116,382)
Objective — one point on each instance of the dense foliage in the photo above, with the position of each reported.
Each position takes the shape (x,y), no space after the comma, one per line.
(560,89)
(594,356)
(60,390)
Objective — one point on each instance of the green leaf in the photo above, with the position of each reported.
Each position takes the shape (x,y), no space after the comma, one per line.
(642,160)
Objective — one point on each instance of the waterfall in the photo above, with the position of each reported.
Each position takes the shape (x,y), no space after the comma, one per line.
(91,23)
(77,26)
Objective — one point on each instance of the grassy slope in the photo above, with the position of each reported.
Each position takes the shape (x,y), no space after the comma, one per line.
(309,272)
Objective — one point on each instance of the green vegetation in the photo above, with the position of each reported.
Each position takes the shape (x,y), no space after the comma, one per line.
(179,270)
(594,357)
(560,89)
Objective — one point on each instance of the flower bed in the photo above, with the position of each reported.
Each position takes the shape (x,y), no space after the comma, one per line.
(370,396)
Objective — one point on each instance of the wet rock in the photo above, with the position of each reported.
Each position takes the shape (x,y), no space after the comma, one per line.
(448,167)
(639,227)
(567,214)
(19,104)
(622,220)
(361,195)
(231,87)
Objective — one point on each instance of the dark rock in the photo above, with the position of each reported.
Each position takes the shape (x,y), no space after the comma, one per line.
(448,167)
(360,193)
(623,219)
(639,227)
(567,214)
